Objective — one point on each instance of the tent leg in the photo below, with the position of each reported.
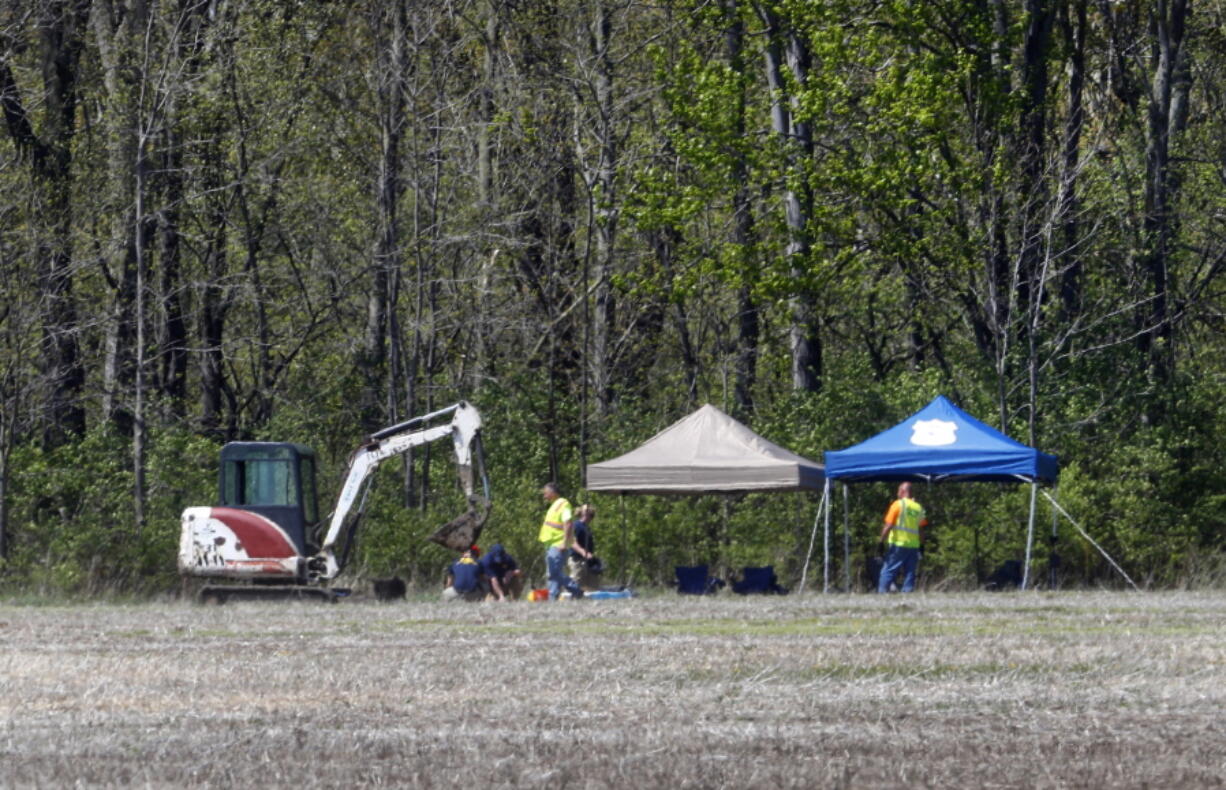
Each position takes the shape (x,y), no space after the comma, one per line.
(1034,493)
(826,541)
(846,544)
(625,539)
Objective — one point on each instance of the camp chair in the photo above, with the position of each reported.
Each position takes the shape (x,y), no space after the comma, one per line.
(1007,576)
(872,572)
(694,580)
(758,580)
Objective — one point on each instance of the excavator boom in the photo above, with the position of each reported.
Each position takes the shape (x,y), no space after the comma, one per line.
(464,430)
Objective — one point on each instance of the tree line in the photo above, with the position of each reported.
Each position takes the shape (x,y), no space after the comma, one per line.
(236,219)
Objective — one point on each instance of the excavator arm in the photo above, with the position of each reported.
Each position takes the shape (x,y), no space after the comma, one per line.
(464,428)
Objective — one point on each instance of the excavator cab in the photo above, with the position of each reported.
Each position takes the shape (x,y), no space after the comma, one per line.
(275,480)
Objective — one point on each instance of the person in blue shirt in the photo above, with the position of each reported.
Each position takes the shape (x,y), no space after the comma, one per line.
(465,579)
(503,573)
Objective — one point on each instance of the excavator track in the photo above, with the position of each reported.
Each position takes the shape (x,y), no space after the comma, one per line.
(219,594)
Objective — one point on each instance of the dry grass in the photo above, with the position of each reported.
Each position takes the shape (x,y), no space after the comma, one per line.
(1024,690)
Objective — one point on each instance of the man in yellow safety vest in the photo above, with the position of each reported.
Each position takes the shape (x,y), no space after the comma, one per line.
(903,531)
(557,532)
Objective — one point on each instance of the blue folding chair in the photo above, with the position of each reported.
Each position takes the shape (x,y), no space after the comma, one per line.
(758,580)
(693,580)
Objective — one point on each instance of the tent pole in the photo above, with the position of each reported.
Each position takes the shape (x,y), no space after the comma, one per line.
(625,542)
(846,544)
(718,565)
(1034,493)
(826,541)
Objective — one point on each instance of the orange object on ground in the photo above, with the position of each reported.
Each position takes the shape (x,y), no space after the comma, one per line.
(538,595)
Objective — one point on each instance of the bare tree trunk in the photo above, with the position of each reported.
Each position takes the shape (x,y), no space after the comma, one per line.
(602,186)
(491,37)
(1073,25)
(998,275)
(253,224)
(61,364)
(168,183)
(7,425)
(16,363)
(138,407)
(1033,239)
(689,354)
(61,37)
(115,31)
(786,49)
(748,319)
(1165,118)
(1033,147)
(4,500)
(218,407)
(388,21)
(215,295)
(171,333)
(806,340)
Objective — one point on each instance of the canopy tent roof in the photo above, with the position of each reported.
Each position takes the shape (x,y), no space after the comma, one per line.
(707,451)
(941,442)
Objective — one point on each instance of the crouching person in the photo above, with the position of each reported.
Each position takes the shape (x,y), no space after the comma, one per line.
(503,574)
(465,580)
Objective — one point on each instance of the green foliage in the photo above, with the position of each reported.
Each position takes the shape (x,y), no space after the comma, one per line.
(348,242)
(72,524)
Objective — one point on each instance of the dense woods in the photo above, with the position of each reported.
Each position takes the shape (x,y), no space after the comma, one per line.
(302,221)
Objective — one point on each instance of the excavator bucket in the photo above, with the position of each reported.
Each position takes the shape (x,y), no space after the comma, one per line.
(461,532)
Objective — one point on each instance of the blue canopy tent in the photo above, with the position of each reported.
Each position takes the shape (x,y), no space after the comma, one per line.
(939,443)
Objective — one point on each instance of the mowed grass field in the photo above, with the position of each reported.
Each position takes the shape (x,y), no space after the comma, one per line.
(1008,690)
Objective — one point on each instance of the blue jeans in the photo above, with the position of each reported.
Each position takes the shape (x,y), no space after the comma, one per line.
(555,565)
(899,558)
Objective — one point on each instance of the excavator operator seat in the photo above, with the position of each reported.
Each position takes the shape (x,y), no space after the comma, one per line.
(275,480)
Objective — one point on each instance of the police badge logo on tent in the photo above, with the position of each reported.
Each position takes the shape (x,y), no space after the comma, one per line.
(934,433)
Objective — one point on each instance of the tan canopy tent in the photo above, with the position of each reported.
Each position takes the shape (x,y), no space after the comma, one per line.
(707,452)
(703,453)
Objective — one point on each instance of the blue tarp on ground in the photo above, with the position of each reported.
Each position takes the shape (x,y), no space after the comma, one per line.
(940,442)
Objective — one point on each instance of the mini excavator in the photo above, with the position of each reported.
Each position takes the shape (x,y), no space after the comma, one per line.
(261,541)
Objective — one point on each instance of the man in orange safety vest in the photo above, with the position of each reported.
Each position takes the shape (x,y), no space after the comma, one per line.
(903,532)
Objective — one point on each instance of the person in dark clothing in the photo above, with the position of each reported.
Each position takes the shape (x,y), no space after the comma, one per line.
(503,573)
(465,580)
(578,564)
